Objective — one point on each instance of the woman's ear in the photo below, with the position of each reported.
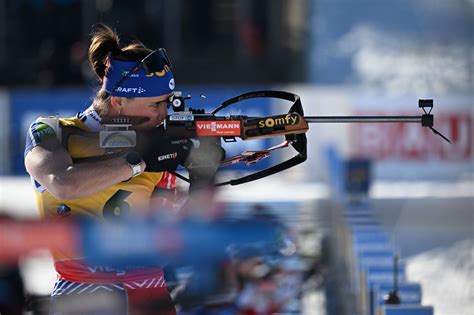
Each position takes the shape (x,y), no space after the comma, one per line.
(116,102)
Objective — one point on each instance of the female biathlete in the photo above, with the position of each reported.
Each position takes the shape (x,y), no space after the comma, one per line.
(135,82)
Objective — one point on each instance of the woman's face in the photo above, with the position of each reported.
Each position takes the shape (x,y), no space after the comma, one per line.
(154,108)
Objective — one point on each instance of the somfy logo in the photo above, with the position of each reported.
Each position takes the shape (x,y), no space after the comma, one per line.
(281,120)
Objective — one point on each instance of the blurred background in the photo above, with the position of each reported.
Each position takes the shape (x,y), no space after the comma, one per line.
(342,57)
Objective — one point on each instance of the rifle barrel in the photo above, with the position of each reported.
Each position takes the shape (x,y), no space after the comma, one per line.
(362,119)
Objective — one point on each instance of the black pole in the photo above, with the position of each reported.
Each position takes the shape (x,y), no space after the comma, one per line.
(395,274)
(362,119)
(425,120)
(393,297)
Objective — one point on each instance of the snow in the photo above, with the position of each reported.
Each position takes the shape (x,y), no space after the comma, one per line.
(446,275)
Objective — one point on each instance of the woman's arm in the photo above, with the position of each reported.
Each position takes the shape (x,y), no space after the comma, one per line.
(51,165)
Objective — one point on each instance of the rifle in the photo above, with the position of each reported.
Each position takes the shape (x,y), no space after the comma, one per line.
(191,123)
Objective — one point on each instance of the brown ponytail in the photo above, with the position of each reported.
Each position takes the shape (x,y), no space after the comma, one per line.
(106,42)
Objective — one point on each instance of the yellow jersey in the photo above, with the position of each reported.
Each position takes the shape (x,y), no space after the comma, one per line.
(115,201)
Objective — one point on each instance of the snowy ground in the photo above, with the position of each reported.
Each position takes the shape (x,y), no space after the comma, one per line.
(447,275)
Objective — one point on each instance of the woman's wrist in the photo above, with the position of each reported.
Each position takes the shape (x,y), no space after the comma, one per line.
(135,162)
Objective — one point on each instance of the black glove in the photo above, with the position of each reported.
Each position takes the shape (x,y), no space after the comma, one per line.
(203,161)
(162,153)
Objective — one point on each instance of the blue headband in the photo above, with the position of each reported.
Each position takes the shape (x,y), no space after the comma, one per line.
(139,83)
